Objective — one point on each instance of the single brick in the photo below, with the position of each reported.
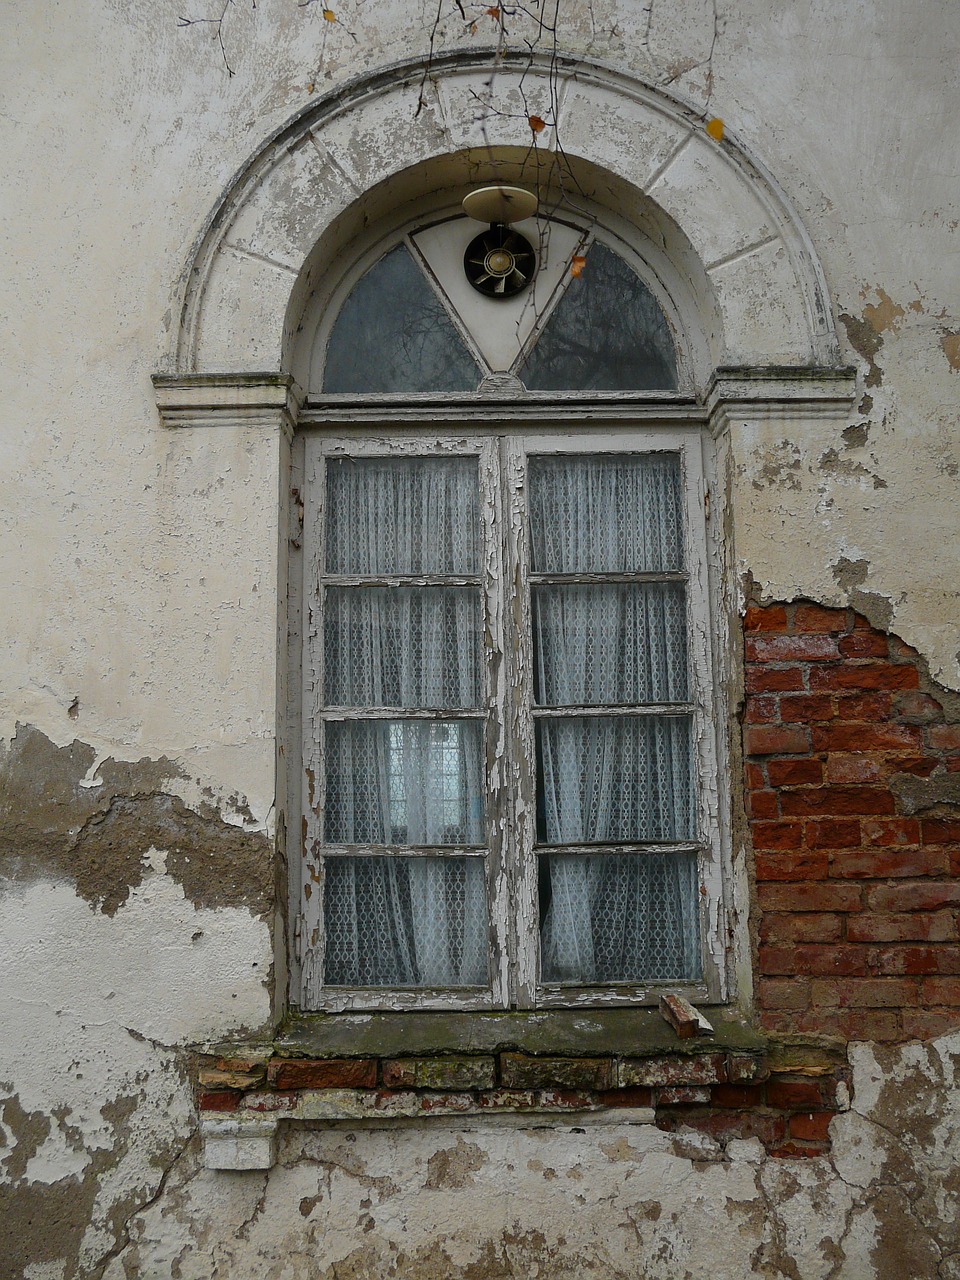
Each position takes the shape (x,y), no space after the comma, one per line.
(773,679)
(635,1097)
(794,773)
(681,1096)
(784,993)
(863,644)
(917,707)
(765,618)
(700,1068)
(737,1095)
(801,927)
(920,766)
(839,801)
(214,1078)
(770,740)
(794,1095)
(814,617)
(269,1101)
(761,710)
(866,737)
(814,959)
(525,1071)
(723,1125)
(779,835)
(433,1103)
(886,864)
(854,768)
(762,804)
(868,708)
(440,1073)
(869,675)
(888,832)
(796,1150)
(940,991)
(944,737)
(811,1125)
(863,993)
(755,776)
(323,1073)
(742,1067)
(882,1025)
(800,865)
(929,1024)
(940,831)
(399,1073)
(218,1100)
(921,895)
(811,648)
(842,833)
(806,707)
(810,897)
(918,960)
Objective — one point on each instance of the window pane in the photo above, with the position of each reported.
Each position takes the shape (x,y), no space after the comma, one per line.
(393,334)
(402,515)
(402,647)
(416,782)
(614,644)
(405,922)
(607,779)
(619,919)
(608,333)
(606,514)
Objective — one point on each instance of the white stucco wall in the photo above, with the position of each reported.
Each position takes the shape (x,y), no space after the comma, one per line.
(140,570)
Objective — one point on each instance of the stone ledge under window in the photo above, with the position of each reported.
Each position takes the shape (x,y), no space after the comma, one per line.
(564,1066)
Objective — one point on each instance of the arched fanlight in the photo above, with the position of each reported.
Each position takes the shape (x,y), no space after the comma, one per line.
(500,262)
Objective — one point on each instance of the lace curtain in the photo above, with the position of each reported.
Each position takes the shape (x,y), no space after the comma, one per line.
(394,920)
(612,779)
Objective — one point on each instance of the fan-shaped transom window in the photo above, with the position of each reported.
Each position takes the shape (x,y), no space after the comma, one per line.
(414,322)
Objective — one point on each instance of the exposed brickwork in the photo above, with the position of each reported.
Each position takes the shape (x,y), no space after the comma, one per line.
(859,899)
(787,1104)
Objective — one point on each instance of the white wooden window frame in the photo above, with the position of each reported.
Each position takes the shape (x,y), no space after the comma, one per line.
(511,852)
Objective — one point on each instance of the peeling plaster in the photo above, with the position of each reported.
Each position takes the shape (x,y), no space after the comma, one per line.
(56,819)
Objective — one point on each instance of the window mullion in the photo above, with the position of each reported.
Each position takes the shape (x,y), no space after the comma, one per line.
(497,753)
(523,802)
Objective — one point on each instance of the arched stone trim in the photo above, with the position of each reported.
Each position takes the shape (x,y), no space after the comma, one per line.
(249,276)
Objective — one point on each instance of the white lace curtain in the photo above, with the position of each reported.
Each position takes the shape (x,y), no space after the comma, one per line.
(613,779)
(394,920)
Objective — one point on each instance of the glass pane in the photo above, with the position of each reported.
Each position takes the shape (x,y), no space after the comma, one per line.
(405,922)
(402,646)
(416,782)
(608,333)
(619,919)
(618,643)
(402,515)
(393,334)
(605,779)
(606,514)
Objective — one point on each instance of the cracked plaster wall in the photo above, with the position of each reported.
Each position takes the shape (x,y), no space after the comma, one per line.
(140,621)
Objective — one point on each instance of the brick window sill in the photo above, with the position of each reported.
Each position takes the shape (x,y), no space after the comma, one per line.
(563,1067)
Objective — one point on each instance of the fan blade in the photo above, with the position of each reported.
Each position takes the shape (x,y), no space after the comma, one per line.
(501,284)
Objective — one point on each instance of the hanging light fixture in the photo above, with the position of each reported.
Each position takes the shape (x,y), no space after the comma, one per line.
(500,262)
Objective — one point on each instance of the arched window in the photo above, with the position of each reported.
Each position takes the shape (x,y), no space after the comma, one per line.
(412,322)
(509,706)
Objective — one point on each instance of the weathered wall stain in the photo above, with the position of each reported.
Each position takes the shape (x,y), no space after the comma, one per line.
(950,346)
(97,836)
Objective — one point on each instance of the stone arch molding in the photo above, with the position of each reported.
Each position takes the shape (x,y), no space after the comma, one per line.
(253,262)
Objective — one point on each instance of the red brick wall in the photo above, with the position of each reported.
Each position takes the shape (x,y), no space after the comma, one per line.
(858,900)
